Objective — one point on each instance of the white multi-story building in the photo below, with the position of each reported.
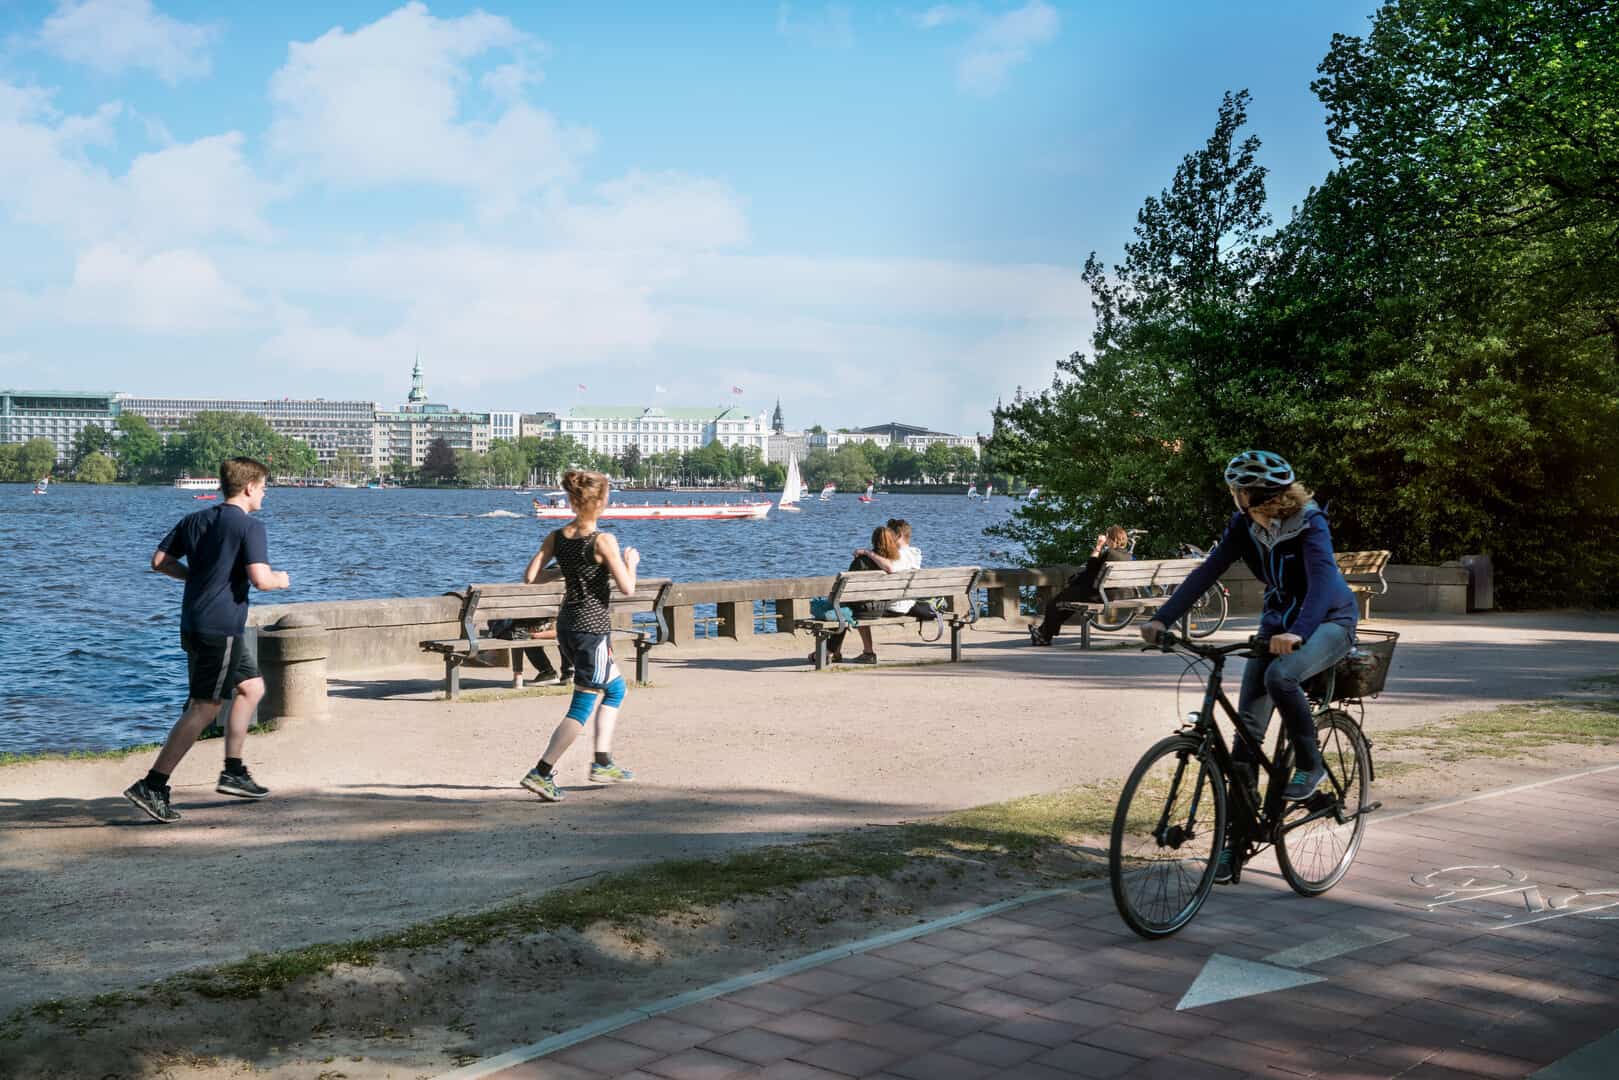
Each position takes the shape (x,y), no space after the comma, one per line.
(918,439)
(540,425)
(57,415)
(327,426)
(612,429)
(505,425)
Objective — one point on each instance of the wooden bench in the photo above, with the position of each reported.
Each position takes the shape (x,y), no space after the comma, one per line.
(504,600)
(878,587)
(1142,585)
(1364,572)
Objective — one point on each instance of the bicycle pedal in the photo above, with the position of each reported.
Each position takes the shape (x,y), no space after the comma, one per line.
(1369,807)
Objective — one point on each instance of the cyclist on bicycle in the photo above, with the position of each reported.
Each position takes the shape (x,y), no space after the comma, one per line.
(1309,616)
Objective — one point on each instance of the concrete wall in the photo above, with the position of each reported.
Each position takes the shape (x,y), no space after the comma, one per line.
(371,634)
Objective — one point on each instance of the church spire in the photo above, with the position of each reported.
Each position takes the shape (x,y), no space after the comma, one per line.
(777,424)
(418,395)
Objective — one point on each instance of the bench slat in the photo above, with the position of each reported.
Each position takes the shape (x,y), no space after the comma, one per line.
(871,585)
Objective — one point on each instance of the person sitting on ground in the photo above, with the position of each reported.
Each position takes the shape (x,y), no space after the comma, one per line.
(1309,617)
(882,555)
(1112,546)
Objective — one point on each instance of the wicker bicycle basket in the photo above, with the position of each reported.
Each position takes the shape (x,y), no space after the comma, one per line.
(1363,673)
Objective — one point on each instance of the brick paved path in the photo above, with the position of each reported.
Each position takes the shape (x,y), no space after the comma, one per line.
(1495,971)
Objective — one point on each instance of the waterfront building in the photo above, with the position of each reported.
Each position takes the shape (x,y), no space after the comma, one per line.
(57,415)
(831,440)
(918,439)
(540,425)
(505,425)
(610,429)
(404,434)
(328,427)
(781,445)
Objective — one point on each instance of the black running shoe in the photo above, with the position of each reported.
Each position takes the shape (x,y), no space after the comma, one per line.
(153,802)
(241,785)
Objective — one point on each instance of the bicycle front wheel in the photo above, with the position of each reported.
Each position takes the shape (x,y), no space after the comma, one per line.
(1166,838)
(1115,618)
(1318,838)
(1209,613)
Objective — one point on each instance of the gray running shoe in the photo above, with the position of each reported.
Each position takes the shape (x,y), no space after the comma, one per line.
(241,785)
(545,678)
(153,802)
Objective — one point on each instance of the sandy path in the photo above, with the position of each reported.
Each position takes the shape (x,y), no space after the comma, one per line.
(401,808)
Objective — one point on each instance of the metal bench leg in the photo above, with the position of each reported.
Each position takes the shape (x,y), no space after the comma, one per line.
(820,651)
(452,677)
(642,648)
(955,642)
(1084,630)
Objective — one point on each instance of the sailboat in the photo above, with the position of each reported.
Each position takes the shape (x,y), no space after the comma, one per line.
(828,491)
(989,489)
(972,490)
(793,489)
(42,486)
(1033,493)
(867,497)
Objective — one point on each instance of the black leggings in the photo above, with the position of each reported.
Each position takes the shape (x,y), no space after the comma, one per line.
(1081,588)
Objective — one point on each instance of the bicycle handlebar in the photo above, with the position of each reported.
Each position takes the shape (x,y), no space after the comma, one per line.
(1169,641)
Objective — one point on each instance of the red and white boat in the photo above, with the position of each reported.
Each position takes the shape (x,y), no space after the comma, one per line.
(675,512)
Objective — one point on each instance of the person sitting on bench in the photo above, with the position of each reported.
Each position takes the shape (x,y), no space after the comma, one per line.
(1112,546)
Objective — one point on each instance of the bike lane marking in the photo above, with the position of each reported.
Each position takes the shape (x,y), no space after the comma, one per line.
(1227,978)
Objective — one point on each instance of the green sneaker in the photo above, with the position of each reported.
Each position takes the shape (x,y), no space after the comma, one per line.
(610,774)
(544,786)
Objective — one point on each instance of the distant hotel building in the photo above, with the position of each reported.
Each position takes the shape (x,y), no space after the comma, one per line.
(57,415)
(327,426)
(505,425)
(917,439)
(404,434)
(611,429)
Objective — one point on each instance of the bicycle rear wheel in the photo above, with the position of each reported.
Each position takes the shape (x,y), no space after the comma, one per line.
(1209,613)
(1115,618)
(1318,838)
(1166,838)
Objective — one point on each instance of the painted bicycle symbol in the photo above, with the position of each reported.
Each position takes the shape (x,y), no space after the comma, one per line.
(1504,897)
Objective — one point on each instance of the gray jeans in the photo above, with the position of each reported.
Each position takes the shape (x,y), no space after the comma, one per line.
(1272,682)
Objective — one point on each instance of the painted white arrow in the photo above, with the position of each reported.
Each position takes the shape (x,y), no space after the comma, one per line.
(1226,978)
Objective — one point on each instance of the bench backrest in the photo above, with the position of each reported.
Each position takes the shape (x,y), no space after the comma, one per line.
(857,586)
(1364,568)
(1119,578)
(509,600)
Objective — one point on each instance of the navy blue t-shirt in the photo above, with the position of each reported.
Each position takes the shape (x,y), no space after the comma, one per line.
(218,544)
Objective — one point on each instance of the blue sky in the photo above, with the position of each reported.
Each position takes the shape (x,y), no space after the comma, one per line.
(872,211)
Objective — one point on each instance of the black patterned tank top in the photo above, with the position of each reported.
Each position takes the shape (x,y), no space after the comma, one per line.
(584,604)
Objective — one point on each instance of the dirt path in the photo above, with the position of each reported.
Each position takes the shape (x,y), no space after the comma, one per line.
(401,808)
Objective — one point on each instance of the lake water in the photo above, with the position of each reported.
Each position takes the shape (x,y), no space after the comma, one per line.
(89,643)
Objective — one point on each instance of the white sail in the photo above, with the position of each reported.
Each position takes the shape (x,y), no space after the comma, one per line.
(792,490)
(972,491)
(989,489)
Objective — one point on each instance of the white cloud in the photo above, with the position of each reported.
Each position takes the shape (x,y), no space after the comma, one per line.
(383,105)
(997,44)
(832,27)
(113,36)
(177,291)
(176,195)
(669,211)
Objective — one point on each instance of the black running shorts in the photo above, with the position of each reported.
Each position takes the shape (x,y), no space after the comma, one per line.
(590,656)
(216,665)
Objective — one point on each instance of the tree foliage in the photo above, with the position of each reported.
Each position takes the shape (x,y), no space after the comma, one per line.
(96,468)
(440,464)
(1432,337)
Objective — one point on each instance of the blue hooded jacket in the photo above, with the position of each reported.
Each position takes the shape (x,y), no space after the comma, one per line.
(1303,585)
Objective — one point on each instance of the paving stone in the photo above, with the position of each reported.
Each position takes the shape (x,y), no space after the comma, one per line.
(937,1066)
(545,1068)
(992,1049)
(662,1033)
(1120,996)
(1484,1063)
(1083,1060)
(958,940)
(860,1008)
(1138,1042)
(1041,988)
(947,1018)
(955,976)
(607,1055)
(998,962)
(866,966)
(1175,1067)
(697,1064)
(1037,1030)
(773,998)
(811,1027)
(901,1038)
(821,982)
(995,1003)
(795,1070)
(1085,1014)
(756,1045)
(717,1014)
(909,991)
(914,952)
(848,1057)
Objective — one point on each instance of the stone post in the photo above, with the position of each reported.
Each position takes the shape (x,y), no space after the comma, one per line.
(736,619)
(682,625)
(787,611)
(292,656)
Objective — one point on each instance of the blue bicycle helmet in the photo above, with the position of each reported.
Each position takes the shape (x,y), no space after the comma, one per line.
(1260,472)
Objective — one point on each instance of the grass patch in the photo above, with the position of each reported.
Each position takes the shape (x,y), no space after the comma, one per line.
(1022,826)
(1599,682)
(116,753)
(1512,730)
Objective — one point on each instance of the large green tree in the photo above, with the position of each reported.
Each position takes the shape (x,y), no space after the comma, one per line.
(96,468)
(137,448)
(439,464)
(210,437)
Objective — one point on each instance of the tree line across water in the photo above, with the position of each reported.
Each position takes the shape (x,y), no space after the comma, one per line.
(1432,336)
(134,452)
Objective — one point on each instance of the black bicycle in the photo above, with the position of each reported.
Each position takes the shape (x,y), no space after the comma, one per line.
(1172,817)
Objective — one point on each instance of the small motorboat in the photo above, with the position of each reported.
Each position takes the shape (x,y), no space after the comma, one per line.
(868,496)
